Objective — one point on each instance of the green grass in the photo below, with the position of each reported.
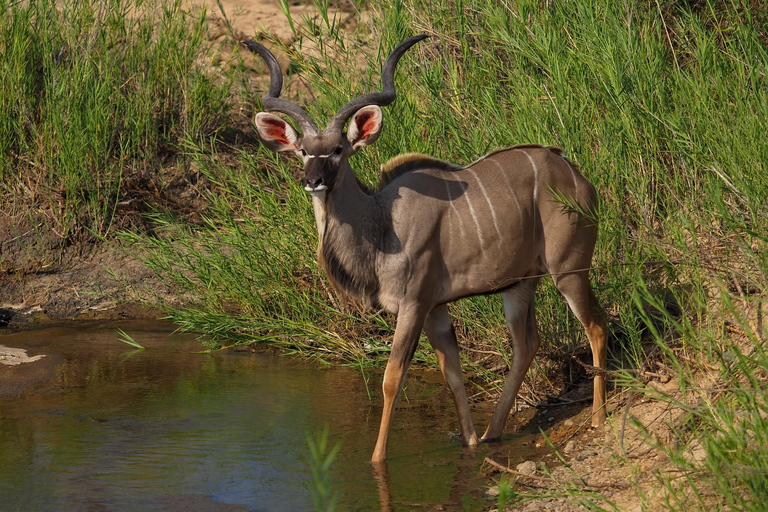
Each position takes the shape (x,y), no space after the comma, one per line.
(92,93)
(128,339)
(663,105)
(324,498)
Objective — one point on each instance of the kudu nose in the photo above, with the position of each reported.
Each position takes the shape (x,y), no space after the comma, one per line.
(314,184)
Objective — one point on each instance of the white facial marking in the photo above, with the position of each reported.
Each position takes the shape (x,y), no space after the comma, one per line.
(320,189)
(487,200)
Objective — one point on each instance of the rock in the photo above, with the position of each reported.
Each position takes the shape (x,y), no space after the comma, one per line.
(584,455)
(570,446)
(13,356)
(527,468)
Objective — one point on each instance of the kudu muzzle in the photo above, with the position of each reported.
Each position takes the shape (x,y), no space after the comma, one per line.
(320,173)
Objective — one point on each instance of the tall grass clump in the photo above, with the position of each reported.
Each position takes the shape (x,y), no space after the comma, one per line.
(91,93)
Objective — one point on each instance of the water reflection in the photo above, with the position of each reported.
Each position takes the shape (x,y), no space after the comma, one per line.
(165,429)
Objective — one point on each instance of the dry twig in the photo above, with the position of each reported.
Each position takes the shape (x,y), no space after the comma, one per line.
(581,484)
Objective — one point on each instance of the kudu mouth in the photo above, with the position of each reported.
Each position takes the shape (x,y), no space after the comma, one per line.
(272,102)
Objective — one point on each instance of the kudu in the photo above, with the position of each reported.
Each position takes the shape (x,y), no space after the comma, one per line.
(435,232)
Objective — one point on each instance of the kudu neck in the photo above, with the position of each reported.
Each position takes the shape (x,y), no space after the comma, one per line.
(350,238)
(348,200)
(347,203)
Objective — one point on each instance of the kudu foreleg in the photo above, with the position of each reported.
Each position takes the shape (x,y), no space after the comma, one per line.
(407,331)
(442,336)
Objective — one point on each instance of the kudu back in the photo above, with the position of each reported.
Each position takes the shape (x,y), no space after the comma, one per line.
(435,232)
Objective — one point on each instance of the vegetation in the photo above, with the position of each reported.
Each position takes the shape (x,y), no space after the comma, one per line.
(321,458)
(663,105)
(94,95)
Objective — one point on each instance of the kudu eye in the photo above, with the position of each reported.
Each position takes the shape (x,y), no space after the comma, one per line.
(337,151)
(303,152)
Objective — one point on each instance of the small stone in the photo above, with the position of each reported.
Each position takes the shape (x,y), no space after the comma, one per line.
(568,422)
(570,446)
(586,454)
(551,419)
(492,492)
(527,468)
(13,356)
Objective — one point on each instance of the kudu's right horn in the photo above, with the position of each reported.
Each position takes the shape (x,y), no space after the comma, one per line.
(272,101)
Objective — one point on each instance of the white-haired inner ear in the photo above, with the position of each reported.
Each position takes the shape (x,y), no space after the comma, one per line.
(365,126)
(276,133)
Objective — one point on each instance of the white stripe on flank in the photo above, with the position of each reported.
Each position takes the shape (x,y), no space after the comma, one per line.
(573,173)
(512,190)
(474,217)
(535,178)
(453,206)
(487,200)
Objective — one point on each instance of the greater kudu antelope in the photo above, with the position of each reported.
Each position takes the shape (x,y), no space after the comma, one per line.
(435,232)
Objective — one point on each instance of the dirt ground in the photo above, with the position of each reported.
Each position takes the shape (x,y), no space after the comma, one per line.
(44,282)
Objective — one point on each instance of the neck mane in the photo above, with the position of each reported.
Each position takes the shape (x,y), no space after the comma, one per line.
(409,162)
(355,226)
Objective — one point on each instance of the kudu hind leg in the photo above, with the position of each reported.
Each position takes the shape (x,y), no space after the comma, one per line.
(439,329)
(581,299)
(521,319)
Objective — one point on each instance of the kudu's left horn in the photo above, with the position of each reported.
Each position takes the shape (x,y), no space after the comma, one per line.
(383,98)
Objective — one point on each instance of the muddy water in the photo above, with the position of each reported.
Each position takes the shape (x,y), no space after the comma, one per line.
(105,427)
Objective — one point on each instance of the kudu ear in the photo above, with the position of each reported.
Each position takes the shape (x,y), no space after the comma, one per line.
(276,133)
(365,126)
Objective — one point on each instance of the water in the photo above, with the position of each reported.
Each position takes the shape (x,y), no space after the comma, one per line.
(113,428)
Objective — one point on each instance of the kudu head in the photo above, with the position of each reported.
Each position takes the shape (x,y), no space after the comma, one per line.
(325,153)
